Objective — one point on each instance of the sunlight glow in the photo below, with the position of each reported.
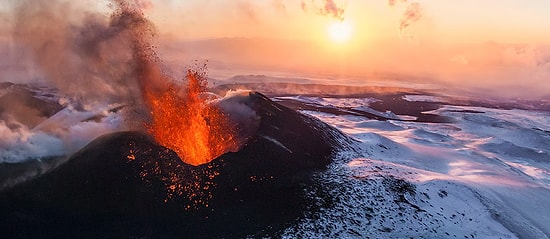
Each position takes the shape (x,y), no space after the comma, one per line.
(339,31)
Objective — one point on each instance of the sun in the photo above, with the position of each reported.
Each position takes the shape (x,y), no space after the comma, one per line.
(339,31)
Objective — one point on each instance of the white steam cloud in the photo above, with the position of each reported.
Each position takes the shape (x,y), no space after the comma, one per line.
(239,107)
(19,143)
(84,54)
(63,133)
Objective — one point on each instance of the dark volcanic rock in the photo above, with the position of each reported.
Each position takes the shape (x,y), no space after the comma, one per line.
(126,185)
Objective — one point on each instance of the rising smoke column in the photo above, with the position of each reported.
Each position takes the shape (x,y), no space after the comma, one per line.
(88,56)
(81,54)
(99,60)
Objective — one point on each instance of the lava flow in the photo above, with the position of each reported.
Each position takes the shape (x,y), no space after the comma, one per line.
(183,121)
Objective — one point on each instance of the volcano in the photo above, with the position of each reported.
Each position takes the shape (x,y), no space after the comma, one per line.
(125,184)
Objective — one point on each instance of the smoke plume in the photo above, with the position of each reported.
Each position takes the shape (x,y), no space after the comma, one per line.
(238,106)
(82,53)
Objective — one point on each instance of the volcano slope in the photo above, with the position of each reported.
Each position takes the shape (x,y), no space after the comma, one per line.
(126,185)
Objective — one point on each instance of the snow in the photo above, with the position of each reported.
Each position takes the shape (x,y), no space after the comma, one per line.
(62,134)
(277,143)
(330,101)
(357,104)
(484,175)
(423,98)
(487,175)
(388,114)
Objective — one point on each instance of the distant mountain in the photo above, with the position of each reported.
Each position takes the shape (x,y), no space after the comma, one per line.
(29,105)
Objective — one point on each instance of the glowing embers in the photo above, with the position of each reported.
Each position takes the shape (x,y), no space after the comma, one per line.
(183,121)
(188,186)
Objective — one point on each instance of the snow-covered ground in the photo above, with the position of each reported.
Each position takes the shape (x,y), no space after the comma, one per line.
(485,175)
(475,172)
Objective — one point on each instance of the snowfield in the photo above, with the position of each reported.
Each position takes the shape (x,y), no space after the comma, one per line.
(422,166)
(486,174)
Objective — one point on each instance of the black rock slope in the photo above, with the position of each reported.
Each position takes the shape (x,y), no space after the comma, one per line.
(125,185)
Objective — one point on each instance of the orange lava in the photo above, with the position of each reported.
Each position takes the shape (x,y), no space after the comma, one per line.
(183,121)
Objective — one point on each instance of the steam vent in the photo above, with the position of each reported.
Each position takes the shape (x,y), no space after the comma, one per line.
(125,184)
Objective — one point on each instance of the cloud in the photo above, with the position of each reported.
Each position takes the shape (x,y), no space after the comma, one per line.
(304,6)
(84,54)
(279,6)
(248,9)
(395,2)
(412,14)
(325,8)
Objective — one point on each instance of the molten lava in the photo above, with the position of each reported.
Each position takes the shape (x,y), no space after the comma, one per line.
(183,121)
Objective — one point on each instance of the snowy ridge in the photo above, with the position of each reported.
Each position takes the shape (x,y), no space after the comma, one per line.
(329,101)
(374,203)
(485,175)
(415,169)
(424,98)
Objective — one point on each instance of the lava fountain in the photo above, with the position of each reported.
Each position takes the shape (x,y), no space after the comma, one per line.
(180,118)
(184,121)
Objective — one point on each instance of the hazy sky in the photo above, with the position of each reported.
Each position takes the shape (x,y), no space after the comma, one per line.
(490,45)
(509,21)
(500,46)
